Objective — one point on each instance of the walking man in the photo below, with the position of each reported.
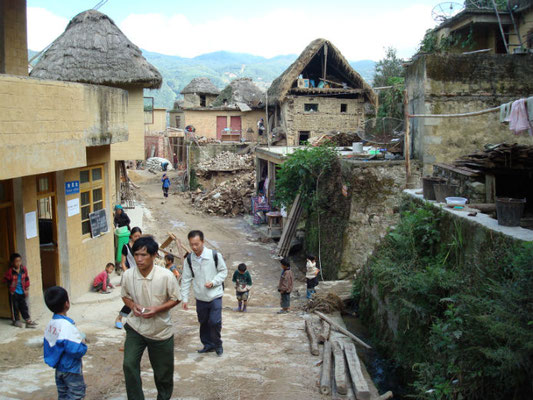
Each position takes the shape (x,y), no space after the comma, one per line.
(206,270)
(150,291)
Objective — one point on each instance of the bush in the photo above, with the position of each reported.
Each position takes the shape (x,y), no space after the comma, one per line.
(465,327)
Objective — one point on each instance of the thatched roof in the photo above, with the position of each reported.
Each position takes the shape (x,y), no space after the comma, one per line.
(200,86)
(241,90)
(94,50)
(283,83)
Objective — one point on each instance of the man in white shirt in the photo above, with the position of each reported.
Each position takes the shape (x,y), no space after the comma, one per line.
(150,291)
(206,270)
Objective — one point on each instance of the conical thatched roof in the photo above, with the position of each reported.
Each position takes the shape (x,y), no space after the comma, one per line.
(94,50)
(200,86)
(240,91)
(283,83)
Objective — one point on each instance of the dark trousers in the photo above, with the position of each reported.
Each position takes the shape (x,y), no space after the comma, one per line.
(210,319)
(125,311)
(165,191)
(19,305)
(161,355)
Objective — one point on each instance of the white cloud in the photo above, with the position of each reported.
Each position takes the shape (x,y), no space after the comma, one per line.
(43,27)
(282,31)
(363,35)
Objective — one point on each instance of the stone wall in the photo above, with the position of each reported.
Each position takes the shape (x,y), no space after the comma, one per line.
(193,100)
(375,192)
(453,83)
(351,227)
(199,154)
(328,117)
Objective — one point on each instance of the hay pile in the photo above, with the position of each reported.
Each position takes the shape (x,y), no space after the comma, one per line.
(325,302)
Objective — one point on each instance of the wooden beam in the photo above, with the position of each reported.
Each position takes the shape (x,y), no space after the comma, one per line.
(360,384)
(342,330)
(325,374)
(325,61)
(340,367)
(323,336)
(313,341)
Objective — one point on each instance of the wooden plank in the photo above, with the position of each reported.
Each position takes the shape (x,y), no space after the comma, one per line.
(342,330)
(289,228)
(490,188)
(325,331)
(459,170)
(325,374)
(362,391)
(340,367)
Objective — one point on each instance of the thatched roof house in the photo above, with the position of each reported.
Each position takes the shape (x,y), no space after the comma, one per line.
(94,50)
(311,62)
(200,86)
(320,92)
(240,92)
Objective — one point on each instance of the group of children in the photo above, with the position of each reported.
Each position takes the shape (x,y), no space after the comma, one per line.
(64,344)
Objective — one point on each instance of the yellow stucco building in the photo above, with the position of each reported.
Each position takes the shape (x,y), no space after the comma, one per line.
(59,143)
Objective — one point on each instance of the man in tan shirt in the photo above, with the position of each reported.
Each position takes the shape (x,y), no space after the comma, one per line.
(150,291)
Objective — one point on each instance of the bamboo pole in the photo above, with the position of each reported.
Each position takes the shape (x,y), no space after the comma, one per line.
(342,330)
(340,368)
(313,341)
(407,141)
(325,375)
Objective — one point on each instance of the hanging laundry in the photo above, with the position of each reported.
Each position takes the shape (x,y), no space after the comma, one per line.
(518,120)
(529,102)
(505,112)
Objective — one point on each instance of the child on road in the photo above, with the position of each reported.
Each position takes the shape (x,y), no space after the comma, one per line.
(18,283)
(169,264)
(286,283)
(166,184)
(311,275)
(64,346)
(102,282)
(243,283)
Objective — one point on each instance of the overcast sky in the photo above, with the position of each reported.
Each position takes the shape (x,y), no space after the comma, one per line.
(361,29)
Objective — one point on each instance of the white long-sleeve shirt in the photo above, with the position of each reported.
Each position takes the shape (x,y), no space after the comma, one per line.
(204,271)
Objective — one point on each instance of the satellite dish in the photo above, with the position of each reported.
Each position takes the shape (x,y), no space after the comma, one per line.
(382,130)
(443,11)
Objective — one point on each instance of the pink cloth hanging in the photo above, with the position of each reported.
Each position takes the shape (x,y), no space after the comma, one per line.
(518,119)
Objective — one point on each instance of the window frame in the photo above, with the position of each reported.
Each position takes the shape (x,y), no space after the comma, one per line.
(345,106)
(310,108)
(89,187)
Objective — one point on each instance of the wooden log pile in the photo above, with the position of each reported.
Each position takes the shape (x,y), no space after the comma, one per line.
(497,157)
(341,369)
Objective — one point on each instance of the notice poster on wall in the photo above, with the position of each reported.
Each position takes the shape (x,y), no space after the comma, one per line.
(30,221)
(73,207)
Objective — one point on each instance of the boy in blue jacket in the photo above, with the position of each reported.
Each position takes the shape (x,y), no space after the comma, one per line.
(64,346)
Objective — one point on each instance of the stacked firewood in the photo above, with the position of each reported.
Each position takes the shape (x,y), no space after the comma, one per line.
(513,156)
(341,371)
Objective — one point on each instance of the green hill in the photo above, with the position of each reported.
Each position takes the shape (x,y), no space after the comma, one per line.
(222,67)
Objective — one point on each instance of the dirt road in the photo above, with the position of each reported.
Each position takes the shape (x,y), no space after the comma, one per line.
(266,356)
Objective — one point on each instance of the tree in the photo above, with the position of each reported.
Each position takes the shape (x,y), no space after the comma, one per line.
(390,72)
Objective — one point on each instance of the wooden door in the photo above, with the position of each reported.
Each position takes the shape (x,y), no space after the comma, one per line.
(7,241)
(236,126)
(222,123)
(47,224)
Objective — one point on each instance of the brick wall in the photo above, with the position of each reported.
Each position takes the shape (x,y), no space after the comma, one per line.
(328,118)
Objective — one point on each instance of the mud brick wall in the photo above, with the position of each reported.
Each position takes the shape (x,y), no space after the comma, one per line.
(457,83)
(328,117)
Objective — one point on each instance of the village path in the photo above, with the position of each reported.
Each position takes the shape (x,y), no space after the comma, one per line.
(266,356)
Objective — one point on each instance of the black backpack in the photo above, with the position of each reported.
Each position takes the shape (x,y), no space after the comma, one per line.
(215,259)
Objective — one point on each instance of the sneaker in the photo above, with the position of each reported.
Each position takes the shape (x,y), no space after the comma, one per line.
(219,351)
(31,324)
(118,325)
(18,324)
(282,312)
(206,349)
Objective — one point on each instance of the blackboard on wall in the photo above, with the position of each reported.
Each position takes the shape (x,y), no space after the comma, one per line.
(98,221)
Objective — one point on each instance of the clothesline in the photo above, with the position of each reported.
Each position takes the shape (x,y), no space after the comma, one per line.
(468,114)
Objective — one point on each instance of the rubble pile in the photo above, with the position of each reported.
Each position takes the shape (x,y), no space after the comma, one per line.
(231,198)
(153,164)
(226,161)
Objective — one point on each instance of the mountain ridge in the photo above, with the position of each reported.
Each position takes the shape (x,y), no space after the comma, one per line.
(222,67)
